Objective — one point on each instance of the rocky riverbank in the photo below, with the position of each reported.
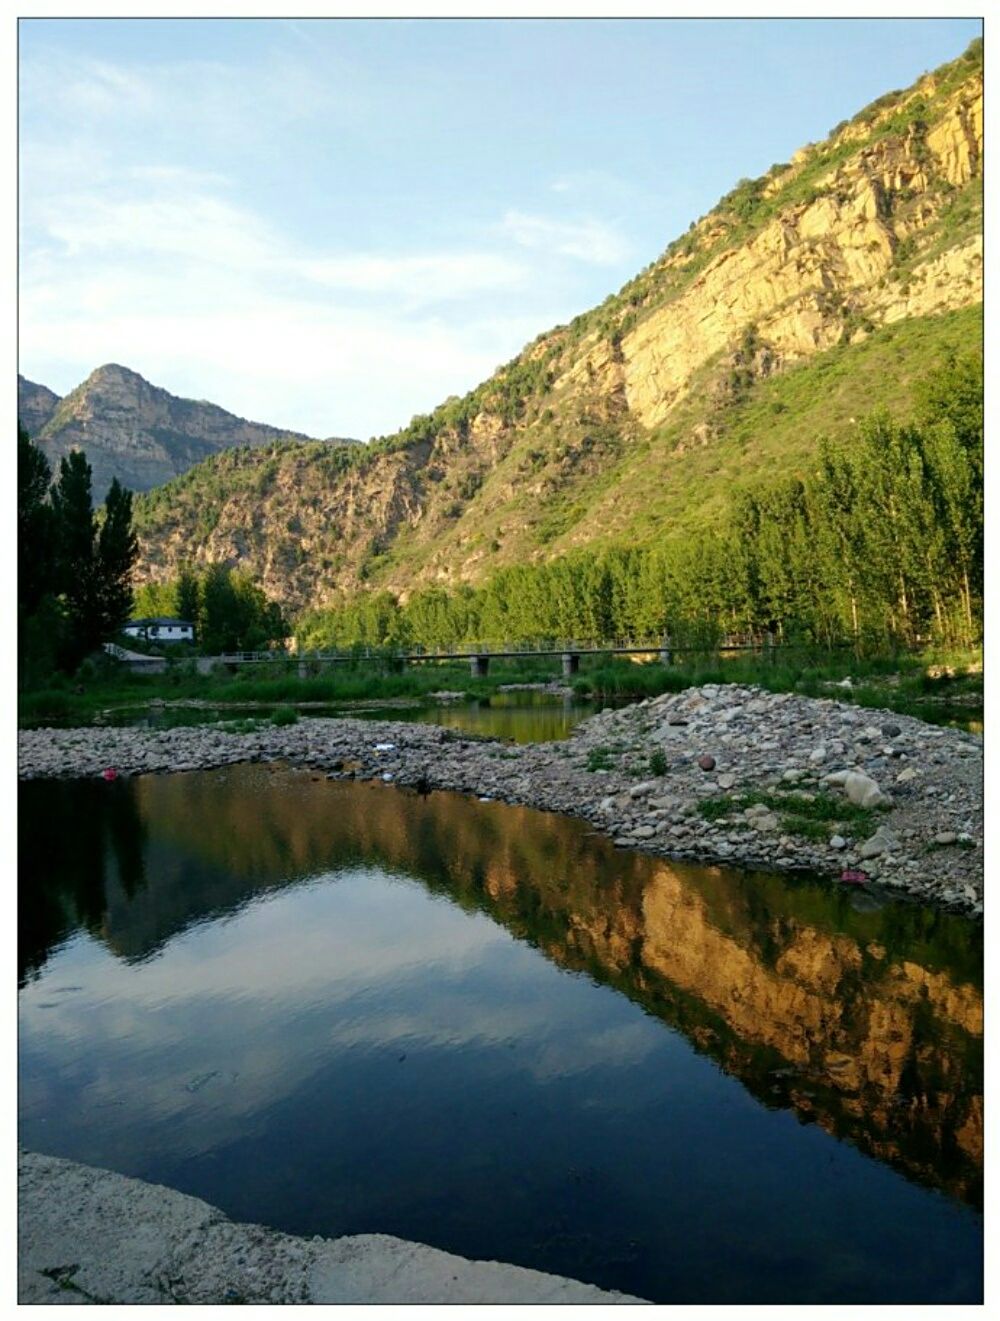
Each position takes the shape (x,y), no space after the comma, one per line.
(91,1236)
(722,773)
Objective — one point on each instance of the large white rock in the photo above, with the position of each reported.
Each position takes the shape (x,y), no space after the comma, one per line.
(862,791)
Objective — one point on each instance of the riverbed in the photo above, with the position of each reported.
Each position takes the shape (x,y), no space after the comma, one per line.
(721,773)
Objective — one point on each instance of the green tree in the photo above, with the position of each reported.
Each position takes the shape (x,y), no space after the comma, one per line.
(36,561)
(76,574)
(188,595)
(117,550)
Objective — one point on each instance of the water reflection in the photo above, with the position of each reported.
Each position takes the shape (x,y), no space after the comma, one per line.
(230,976)
(520,717)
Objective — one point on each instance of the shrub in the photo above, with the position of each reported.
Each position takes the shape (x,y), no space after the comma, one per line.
(285,715)
(599,759)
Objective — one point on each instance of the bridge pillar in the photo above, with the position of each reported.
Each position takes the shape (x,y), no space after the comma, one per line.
(480,666)
(303,669)
(571,663)
(666,655)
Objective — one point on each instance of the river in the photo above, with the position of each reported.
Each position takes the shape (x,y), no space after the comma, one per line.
(338,1008)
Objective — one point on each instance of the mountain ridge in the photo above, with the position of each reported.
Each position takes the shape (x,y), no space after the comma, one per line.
(136,431)
(629,417)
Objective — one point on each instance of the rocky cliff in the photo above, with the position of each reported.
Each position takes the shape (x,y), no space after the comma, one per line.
(803,299)
(35,404)
(133,430)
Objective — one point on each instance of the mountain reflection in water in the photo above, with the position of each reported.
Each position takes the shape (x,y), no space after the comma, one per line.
(215,889)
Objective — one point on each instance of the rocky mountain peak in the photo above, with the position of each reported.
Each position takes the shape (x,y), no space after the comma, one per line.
(136,431)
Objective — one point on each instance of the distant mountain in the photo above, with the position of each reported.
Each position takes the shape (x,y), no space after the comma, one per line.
(35,404)
(805,298)
(135,431)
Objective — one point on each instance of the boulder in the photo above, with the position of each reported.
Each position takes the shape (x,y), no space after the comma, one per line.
(862,791)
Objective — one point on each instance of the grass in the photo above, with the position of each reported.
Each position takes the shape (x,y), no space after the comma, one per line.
(911,685)
(599,759)
(812,817)
(895,683)
(62,699)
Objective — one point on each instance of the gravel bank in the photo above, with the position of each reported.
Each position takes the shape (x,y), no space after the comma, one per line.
(922,784)
(90,1236)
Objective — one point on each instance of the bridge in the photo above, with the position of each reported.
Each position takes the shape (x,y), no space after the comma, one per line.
(479,655)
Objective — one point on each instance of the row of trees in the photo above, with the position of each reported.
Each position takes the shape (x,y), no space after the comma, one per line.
(228,609)
(880,545)
(74,565)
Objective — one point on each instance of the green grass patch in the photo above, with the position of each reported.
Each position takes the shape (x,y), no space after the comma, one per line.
(599,759)
(812,817)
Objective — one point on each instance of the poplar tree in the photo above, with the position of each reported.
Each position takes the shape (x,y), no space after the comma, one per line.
(117,550)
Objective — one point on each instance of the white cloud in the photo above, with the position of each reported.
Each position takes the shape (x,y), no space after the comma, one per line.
(209,96)
(137,249)
(160,267)
(586,240)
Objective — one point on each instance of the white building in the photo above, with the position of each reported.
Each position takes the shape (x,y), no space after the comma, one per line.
(160,630)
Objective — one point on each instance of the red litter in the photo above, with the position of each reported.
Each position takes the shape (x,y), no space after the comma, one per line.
(853,877)
(109,774)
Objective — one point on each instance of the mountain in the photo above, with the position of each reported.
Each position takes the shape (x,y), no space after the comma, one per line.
(135,431)
(804,299)
(35,404)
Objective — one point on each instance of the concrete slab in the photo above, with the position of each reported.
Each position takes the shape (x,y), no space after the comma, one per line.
(87,1235)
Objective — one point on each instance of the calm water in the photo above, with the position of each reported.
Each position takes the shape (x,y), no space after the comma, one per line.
(521,717)
(338,1008)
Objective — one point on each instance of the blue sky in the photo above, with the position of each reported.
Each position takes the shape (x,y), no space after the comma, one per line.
(333,225)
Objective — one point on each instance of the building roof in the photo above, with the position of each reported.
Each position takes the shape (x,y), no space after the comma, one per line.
(158,619)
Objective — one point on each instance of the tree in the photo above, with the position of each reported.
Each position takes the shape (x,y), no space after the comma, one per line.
(220,625)
(76,561)
(188,595)
(117,550)
(36,562)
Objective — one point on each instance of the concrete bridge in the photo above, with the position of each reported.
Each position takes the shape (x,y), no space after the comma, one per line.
(479,655)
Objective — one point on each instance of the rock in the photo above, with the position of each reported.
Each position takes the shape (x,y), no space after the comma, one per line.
(726,781)
(891,730)
(766,822)
(818,754)
(838,842)
(643,832)
(792,775)
(946,837)
(872,848)
(862,791)
(706,762)
(640,790)
(836,778)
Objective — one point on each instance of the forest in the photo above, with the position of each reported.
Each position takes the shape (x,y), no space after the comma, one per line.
(880,545)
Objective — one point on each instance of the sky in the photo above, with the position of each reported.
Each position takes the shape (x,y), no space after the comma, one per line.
(332,225)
